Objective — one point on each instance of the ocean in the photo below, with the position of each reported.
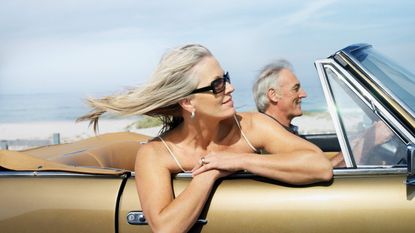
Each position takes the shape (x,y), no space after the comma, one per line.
(15,108)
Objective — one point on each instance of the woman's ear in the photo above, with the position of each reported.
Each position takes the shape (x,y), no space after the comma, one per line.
(272,95)
(186,105)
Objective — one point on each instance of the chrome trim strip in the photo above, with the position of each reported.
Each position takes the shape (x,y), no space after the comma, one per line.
(332,109)
(370,171)
(183,175)
(376,81)
(341,171)
(336,172)
(51,174)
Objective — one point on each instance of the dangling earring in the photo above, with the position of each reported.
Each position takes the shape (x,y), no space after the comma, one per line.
(192,115)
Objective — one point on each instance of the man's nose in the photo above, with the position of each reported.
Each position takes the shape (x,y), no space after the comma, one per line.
(302,93)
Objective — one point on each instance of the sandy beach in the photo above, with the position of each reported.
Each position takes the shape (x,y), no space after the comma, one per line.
(316,122)
(31,134)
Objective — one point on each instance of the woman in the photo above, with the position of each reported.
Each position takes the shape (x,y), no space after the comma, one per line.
(203,134)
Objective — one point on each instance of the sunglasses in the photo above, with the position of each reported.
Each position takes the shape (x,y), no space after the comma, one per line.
(216,86)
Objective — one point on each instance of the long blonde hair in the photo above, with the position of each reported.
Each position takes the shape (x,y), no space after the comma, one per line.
(171,81)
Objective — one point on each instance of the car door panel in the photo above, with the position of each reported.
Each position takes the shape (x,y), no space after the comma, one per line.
(351,203)
(277,208)
(130,202)
(58,203)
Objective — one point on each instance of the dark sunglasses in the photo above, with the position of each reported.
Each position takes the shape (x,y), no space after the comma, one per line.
(216,86)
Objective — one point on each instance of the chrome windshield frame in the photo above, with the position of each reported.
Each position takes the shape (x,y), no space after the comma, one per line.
(373,103)
(320,66)
(376,80)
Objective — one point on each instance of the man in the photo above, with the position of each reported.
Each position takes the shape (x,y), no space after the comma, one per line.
(278,94)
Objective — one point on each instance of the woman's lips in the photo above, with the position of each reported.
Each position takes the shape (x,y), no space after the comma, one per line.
(228,101)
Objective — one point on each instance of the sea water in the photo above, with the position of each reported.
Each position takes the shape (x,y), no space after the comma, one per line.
(15,108)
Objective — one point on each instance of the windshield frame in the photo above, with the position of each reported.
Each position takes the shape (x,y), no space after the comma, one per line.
(348,60)
(367,54)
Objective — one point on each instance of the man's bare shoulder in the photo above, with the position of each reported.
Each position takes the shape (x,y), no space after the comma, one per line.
(251,116)
(258,124)
(256,119)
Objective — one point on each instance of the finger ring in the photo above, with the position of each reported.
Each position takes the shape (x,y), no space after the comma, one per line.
(202,161)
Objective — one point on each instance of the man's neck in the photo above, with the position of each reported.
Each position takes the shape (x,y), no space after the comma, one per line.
(291,128)
(284,121)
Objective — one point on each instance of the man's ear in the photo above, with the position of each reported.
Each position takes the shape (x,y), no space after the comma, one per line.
(272,95)
(186,105)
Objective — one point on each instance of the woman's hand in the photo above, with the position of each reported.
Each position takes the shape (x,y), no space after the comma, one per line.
(219,164)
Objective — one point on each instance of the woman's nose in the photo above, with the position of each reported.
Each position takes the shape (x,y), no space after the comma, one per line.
(229,88)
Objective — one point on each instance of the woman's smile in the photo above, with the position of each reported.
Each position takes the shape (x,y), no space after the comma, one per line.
(228,101)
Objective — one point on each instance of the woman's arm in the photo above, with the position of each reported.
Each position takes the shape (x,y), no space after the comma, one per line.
(164,212)
(291,159)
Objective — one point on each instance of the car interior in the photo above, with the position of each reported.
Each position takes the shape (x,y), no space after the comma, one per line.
(112,150)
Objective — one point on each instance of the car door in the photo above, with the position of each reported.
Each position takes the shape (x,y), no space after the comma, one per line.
(62,202)
(357,200)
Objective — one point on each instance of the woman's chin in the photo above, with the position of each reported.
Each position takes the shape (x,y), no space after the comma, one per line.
(230,112)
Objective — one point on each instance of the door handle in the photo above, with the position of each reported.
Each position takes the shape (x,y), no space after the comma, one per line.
(138,218)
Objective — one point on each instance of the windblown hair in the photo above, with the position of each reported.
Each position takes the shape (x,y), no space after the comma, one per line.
(266,80)
(172,80)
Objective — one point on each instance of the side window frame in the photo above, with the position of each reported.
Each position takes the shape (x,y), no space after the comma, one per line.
(321,66)
(378,109)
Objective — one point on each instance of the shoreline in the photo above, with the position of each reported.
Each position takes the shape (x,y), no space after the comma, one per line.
(314,123)
(32,134)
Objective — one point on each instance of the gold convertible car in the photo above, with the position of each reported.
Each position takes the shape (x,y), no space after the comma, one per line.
(89,186)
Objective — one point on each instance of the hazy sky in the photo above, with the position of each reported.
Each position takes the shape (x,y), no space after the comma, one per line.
(99,45)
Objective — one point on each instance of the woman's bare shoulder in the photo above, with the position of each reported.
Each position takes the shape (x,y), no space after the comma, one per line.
(152,150)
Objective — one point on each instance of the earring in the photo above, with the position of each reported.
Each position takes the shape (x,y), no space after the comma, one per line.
(192,115)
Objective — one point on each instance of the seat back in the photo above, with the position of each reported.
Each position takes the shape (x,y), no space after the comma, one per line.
(112,150)
(120,154)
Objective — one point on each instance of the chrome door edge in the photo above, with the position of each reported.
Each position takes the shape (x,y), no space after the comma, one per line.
(50,174)
(332,110)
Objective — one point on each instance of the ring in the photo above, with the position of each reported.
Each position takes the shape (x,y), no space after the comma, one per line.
(202,161)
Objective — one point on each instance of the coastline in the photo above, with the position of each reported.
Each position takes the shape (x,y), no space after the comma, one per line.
(32,134)
(314,123)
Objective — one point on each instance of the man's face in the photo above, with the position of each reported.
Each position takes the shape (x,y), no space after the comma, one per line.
(290,95)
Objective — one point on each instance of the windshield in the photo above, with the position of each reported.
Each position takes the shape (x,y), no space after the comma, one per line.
(394,79)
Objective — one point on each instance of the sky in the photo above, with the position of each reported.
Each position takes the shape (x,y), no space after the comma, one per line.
(102,45)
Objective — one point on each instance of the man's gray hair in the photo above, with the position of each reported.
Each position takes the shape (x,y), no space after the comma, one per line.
(268,79)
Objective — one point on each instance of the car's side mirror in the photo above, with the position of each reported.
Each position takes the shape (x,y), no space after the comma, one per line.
(411,159)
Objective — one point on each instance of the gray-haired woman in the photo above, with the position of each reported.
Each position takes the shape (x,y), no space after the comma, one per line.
(203,134)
